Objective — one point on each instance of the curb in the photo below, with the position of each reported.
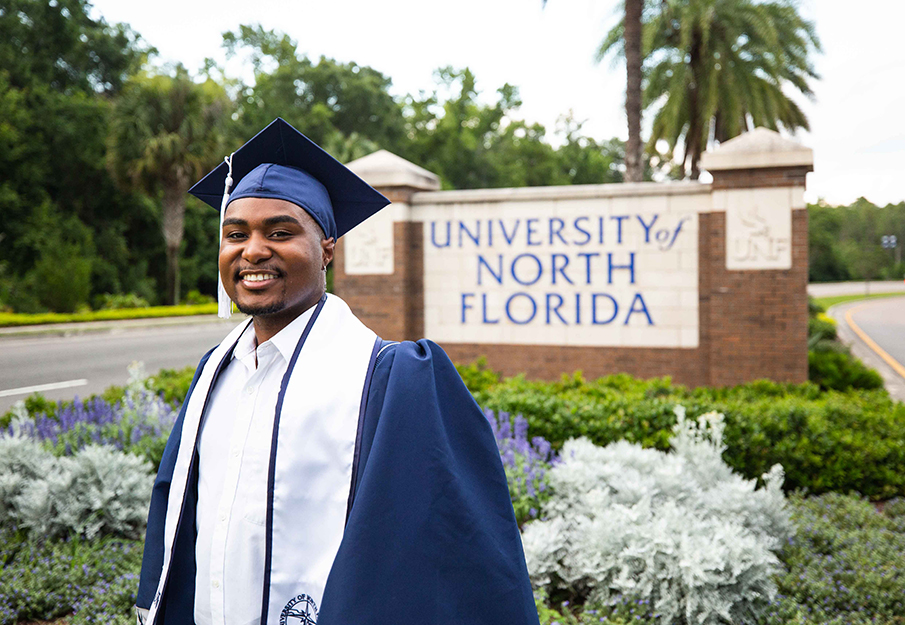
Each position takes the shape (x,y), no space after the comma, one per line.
(91,327)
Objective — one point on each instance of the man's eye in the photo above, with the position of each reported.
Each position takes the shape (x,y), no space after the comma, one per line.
(235,236)
(280,233)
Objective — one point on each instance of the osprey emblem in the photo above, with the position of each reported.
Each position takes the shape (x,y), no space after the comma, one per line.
(301,610)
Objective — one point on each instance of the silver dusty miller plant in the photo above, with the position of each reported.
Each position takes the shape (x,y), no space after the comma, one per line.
(679,530)
(99,490)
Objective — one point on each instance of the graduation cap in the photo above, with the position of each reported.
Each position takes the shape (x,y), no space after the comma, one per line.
(281,163)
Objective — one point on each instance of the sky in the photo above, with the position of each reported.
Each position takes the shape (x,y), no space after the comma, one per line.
(857,126)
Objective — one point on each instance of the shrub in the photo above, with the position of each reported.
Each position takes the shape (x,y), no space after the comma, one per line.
(97,491)
(172,384)
(839,370)
(138,423)
(823,326)
(825,440)
(108,301)
(526,464)
(680,531)
(42,579)
(196,298)
(846,563)
(478,376)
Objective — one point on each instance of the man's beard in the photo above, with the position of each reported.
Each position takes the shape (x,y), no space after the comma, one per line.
(263,310)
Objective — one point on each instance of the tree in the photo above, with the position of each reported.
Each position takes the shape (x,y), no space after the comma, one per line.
(332,103)
(59,68)
(716,68)
(634,170)
(166,131)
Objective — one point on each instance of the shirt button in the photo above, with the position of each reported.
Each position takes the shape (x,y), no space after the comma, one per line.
(250,390)
(222,517)
(235,453)
(215,584)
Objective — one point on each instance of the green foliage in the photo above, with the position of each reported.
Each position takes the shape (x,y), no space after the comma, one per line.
(726,65)
(166,131)
(43,580)
(825,440)
(20,319)
(822,327)
(196,298)
(470,144)
(109,301)
(478,376)
(839,370)
(173,384)
(844,241)
(844,564)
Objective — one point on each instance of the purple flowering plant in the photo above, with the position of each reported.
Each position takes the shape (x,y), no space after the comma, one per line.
(526,463)
(139,423)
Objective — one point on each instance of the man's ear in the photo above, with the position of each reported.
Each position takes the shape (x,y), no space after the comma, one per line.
(327,249)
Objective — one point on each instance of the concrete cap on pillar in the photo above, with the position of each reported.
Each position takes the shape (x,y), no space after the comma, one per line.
(384,169)
(759,148)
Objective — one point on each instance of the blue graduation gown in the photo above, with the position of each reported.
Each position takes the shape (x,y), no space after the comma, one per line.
(430,536)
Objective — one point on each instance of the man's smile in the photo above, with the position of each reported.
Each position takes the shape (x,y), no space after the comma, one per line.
(256,279)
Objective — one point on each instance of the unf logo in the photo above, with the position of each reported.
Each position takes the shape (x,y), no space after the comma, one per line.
(300,610)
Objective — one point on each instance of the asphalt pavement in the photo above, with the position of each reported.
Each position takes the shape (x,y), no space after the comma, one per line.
(875,330)
(72,360)
(67,360)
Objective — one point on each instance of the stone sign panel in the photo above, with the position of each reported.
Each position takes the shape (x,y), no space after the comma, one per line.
(605,271)
(758,229)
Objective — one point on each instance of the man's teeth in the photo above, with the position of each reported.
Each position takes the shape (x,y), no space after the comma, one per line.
(257,277)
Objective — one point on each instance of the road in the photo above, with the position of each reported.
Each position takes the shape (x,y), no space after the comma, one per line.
(87,363)
(875,329)
(830,289)
(92,361)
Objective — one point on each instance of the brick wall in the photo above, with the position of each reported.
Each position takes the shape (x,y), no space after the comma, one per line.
(753,324)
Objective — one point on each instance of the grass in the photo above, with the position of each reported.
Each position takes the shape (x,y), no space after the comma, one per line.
(21,319)
(826,302)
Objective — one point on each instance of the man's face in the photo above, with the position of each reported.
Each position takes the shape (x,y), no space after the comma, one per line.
(271,258)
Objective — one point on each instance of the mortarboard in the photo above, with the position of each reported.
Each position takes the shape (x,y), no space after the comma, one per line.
(281,163)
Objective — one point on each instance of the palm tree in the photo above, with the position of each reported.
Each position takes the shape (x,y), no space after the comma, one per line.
(716,68)
(634,170)
(165,132)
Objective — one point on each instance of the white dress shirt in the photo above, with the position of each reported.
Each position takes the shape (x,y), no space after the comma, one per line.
(234,450)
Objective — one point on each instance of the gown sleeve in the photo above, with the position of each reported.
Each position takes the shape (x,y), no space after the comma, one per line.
(152,558)
(431,536)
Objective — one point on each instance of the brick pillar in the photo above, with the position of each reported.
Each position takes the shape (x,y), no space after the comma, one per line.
(379,265)
(754,261)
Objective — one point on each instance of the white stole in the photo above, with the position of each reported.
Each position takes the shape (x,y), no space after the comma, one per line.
(312,462)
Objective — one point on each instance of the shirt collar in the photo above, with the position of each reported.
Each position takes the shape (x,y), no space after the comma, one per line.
(285,340)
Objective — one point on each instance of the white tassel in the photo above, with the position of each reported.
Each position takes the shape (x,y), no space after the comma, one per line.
(224,304)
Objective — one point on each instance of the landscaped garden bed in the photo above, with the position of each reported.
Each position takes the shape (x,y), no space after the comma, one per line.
(639,501)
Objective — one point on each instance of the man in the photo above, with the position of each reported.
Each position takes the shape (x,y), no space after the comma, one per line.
(316,473)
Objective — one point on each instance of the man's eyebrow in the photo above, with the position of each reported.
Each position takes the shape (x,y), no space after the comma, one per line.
(270,221)
(281,219)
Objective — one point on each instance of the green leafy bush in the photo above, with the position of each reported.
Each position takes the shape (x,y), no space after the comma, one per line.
(846,563)
(41,579)
(823,326)
(173,384)
(117,301)
(478,376)
(825,440)
(196,298)
(839,370)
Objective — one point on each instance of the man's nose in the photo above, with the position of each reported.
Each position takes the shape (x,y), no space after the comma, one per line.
(256,249)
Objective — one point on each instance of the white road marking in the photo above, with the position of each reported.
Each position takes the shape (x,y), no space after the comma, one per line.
(39,388)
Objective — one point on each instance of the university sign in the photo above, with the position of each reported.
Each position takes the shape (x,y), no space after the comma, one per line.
(568,272)
(702,282)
